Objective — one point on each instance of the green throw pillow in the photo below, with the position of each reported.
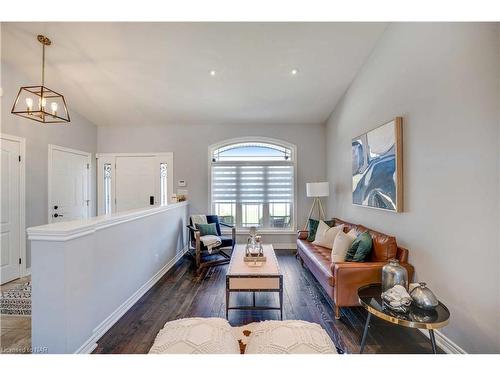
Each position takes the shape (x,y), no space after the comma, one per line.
(360,248)
(313,227)
(207,229)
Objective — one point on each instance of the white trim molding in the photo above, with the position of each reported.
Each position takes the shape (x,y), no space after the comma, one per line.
(23,271)
(89,345)
(443,342)
(246,231)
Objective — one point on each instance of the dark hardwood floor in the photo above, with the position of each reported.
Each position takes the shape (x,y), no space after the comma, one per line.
(183,293)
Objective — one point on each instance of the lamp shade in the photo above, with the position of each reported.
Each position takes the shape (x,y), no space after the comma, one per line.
(318,189)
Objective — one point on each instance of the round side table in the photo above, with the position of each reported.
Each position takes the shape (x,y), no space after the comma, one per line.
(370,298)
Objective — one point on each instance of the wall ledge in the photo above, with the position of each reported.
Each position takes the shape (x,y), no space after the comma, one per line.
(69,230)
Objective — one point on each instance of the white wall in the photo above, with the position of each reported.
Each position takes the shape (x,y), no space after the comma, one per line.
(444,80)
(78,134)
(190,144)
(88,273)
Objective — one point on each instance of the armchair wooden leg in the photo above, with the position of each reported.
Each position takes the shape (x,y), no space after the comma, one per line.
(198,251)
(198,259)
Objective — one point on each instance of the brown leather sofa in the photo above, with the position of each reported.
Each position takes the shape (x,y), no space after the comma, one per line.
(341,280)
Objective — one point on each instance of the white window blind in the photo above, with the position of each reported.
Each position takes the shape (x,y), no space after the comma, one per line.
(248,183)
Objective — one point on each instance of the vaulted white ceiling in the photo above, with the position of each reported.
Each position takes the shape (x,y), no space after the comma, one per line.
(159,73)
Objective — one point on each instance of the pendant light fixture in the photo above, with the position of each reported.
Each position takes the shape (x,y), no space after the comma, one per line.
(40,103)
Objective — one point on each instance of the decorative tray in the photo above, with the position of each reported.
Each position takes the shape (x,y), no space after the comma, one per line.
(253,258)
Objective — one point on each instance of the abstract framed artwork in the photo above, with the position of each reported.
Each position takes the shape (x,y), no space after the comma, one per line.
(377,167)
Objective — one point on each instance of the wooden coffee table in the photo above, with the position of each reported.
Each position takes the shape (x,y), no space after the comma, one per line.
(244,277)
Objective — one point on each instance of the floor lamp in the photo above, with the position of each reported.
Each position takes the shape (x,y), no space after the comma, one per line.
(317,190)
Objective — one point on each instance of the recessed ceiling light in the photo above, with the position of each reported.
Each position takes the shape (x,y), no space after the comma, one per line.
(212,72)
(294,72)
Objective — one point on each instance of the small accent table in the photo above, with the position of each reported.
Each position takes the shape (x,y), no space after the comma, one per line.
(242,277)
(370,298)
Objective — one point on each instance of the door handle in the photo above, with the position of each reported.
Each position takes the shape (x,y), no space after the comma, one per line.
(56,207)
(57,215)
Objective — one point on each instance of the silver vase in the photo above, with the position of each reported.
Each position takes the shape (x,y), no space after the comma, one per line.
(424,298)
(394,274)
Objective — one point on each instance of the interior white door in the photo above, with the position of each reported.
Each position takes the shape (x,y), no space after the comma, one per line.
(137,182)
(68,184)
(10,225)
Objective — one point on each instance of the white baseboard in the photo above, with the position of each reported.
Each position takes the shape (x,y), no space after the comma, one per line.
(88,347)
(91,343)
(443,342)
(285,246)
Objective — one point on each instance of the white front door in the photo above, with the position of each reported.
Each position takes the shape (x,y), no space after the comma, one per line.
(69,179)
(137,182)
(10,200)
(132,181)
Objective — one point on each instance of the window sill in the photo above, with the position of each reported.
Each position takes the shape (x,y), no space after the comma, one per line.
(260,231)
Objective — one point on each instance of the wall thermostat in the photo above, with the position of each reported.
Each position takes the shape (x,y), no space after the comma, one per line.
(181,183)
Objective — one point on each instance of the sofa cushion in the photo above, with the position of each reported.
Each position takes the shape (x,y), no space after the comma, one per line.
(384,246)
(312,226)
(360,248)
(318,259)
(347,226)
(341,244)
(325,235)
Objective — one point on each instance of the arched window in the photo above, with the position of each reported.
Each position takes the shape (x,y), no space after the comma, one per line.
(253,183)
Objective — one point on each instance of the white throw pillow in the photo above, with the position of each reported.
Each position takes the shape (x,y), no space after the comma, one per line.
(341,244)
(196,336)
(353,233)
(325,235)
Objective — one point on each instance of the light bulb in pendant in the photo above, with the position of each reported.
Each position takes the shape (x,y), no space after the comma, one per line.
(53,106)
(42,102)
(29,104)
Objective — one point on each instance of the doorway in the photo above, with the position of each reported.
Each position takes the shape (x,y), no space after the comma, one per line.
(132,181)
(13,243)
(69,184)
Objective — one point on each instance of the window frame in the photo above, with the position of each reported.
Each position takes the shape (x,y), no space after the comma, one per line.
(292,161)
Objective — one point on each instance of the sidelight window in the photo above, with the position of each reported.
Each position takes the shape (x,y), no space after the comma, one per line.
(163,184)
(107,188)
